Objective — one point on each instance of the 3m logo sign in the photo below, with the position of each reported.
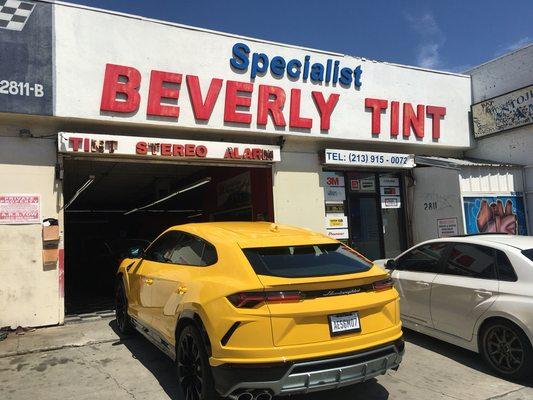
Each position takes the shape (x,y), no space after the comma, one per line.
(14,14)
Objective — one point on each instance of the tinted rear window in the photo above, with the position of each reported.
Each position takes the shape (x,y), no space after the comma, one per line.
(528,253)
(306,261)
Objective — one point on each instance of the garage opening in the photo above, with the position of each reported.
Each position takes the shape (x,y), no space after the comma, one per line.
(125,204)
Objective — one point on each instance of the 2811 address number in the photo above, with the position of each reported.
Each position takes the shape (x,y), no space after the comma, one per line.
(15,88)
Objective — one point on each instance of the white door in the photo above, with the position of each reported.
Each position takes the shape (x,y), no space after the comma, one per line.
(465,290)
(413,277)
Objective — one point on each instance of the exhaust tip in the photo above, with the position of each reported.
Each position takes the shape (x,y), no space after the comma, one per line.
(263,396)
(245,396)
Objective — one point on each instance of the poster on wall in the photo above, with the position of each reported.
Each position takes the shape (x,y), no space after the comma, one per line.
(495,214)
(20,209)
(26,85)
(334,194)
(235,192)
(447,227)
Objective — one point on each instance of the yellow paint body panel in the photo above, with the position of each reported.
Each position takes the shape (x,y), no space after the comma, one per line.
(159,293)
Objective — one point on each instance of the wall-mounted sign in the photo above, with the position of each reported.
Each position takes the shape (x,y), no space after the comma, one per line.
(332,179)
(334,208)
(334,194)
(336,221)
(508,111)
(389,181)
(188,78)
(447,227)
(171,149)
(338,233)
(26,85)
(20,209)
(363,185)
(368,159)
(390,191)
(391,202)
(495,214)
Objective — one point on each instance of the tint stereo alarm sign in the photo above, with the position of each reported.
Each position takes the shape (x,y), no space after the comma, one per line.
(170,149)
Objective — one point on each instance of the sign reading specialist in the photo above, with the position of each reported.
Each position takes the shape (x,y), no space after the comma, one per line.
(26,57)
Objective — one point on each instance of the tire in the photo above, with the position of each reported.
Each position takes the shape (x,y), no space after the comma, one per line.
(192,366)
(121,310)
(507,350)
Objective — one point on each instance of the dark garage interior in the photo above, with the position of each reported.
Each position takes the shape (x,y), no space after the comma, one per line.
(126,204)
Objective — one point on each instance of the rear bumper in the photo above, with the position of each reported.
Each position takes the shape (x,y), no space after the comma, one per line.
(309,375)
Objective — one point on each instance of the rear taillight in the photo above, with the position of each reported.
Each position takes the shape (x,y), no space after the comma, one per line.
(383,284)
(252,299)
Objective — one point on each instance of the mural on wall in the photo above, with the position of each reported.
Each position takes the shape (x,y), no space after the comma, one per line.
(495,214)
(26,82)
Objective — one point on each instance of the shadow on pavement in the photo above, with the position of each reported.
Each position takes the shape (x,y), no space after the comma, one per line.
(162,368)
(465,357)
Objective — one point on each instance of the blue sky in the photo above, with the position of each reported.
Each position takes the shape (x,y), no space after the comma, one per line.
(451,35)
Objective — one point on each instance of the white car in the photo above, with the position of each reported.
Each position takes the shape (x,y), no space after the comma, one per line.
(475,292)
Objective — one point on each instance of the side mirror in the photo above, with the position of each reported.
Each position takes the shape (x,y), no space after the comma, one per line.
(391,264)
(135,252)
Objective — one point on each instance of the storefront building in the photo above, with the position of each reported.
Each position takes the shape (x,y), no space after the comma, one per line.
(119,127)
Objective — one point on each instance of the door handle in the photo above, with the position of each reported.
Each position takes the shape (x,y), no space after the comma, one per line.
(421,283)
(483,293)
(181,290)
(149,281)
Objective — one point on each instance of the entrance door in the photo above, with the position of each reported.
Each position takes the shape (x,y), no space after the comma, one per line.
(375,213)
(364,217)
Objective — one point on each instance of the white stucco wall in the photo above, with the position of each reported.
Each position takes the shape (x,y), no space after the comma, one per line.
(298,196)
(29,293)
(436,195)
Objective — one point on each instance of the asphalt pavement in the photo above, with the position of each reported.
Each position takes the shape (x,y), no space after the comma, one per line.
(91,361)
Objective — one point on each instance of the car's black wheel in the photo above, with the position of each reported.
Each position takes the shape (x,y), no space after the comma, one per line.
(121,310)
(193,369)
(507,349)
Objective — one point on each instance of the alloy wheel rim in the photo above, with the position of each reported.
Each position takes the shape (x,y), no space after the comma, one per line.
(504,349)
(190,371)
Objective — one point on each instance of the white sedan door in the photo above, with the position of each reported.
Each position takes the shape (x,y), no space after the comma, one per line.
(465,290)
(416,270)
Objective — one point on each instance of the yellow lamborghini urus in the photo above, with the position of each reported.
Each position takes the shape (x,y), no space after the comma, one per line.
(251,310)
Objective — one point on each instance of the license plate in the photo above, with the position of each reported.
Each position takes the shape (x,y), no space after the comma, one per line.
(341,324)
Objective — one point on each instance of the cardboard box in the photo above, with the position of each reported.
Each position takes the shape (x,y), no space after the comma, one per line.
(51,233)
(50,256)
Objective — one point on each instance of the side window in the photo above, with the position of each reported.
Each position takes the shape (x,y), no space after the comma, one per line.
(161,249)
(472,261)
(191,250)
(505,268)
(424,258)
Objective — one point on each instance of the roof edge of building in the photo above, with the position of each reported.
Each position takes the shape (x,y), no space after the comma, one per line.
(227,34)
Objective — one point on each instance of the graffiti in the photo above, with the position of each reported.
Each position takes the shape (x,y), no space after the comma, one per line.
(503,214)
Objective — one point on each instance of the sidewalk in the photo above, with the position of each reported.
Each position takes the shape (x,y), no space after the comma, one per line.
(58,337)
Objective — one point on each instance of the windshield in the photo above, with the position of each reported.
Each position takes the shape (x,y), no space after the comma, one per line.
(306,261)
(528,253)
